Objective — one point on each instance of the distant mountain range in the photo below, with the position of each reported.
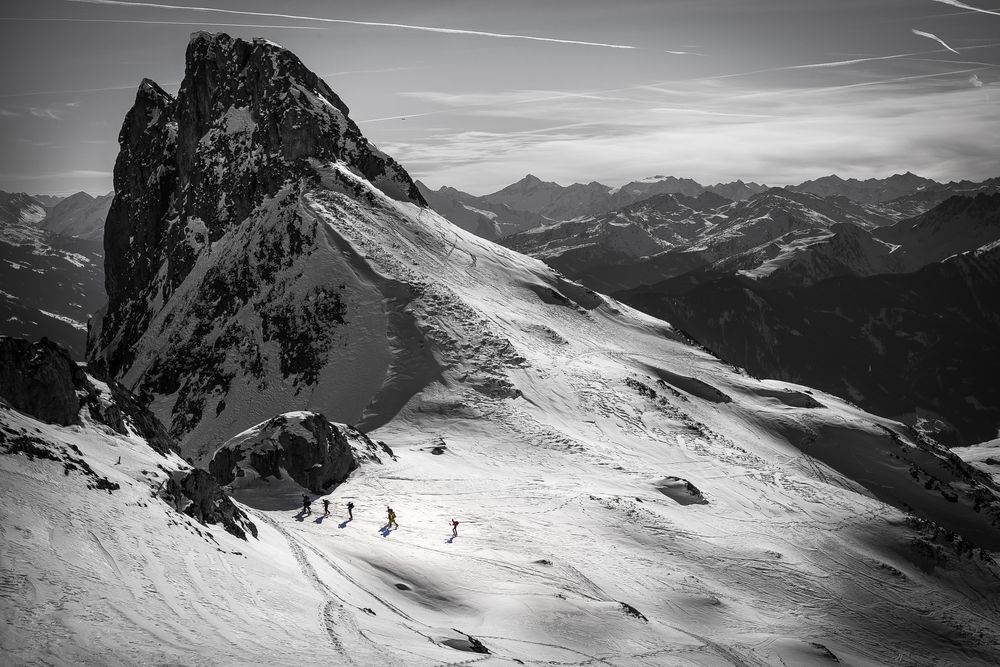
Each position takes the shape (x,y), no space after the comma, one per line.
(753,280)
(51,266)
(532,202)
(81,216)
(906,186)
(668,235)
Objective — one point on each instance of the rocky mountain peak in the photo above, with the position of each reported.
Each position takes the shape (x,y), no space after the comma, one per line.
(255,105)
(248,121)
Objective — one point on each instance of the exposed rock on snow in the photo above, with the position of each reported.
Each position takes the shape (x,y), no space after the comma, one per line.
(469,643)
(17,442)
(41,379)
(633,612)
(198,494)
(314,452)
(681,491)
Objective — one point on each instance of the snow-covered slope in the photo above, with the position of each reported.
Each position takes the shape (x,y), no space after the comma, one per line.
(984,456)
(545,418)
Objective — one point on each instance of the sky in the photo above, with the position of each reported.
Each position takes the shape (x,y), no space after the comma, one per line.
(475,94)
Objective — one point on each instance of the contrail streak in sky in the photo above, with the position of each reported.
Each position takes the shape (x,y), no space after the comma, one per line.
(937,39)
(962,5)
(293,17)
(222,25)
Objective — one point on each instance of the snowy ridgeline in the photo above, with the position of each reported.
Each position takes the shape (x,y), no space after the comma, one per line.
(622,496)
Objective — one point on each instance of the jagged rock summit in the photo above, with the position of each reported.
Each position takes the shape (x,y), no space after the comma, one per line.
(206,219)
(246,122)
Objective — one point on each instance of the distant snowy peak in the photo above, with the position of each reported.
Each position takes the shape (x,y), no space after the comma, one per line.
(79,215)
(870,191)
(737,190)
(907,193)
(558,202)
(477,215)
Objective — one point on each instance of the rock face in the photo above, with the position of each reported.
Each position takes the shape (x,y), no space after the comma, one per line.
(198,494)
(246,120)
(222,288)
(313,452)
(40,379)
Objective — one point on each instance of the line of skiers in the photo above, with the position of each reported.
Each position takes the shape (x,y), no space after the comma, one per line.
(390,513)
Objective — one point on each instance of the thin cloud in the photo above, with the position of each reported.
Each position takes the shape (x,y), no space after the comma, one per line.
(713,113)
(221,25)
(935,134)
(962,5)
(833,63)
(403,117)
(937,39)
(81,91)
(402,26)
(51,114)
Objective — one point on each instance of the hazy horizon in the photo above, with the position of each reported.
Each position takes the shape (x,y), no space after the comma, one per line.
(476,95)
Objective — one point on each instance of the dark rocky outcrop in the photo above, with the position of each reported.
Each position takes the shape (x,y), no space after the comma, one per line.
(197,494)
(315,453)
(681,491)
(41,380)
